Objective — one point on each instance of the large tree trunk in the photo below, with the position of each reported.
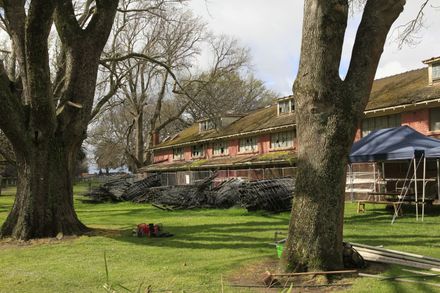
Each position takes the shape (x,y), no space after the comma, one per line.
(43,205)
(315,236)
(327,111)
(46,123)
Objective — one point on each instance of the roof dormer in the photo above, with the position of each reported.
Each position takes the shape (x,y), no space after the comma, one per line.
(433,70)
(206,124)
(220,122)
(285,105)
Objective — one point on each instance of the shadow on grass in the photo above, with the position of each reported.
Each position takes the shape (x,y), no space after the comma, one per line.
(381,213)
(402,287)
(211,236)
(4,208)
(390,240)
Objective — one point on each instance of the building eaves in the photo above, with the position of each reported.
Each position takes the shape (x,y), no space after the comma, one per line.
(259,121)
(431,60)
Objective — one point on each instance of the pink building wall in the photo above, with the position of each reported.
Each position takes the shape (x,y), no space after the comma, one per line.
(233,147)
(264,144)
(208,152)
(358,134)
(163,156)
(187,153)
(419,120)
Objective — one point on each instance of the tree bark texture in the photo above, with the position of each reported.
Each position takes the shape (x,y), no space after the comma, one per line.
(46,123)
(328,109)
(44,202)
(139,131)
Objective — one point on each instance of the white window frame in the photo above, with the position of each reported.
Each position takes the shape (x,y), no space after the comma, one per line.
(288,107)
(282,140)
(435,71)
(434,125)
(206,125)
(248,145)
(178,154)
(374,123)
(200,152)
(217,148)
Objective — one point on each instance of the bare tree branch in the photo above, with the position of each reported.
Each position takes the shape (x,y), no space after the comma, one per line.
(407,31)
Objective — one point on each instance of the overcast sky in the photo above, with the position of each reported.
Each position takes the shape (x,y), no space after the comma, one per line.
(272,31)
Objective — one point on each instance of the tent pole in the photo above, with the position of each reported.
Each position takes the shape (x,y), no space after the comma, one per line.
(374,174)
(424,190)
(383,175)
(438,180)
(415,188)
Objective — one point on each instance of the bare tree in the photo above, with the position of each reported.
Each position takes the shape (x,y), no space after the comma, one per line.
(228,84)
(228,92)
(328,111)
(171,37)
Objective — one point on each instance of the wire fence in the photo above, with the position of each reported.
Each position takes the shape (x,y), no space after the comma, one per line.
(191,177)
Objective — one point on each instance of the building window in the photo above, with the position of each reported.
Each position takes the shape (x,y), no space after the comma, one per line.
(281,140)
(436,71)
(286,107)
(197,151)
(220,148)
(248,144)
(434,119)
(373,123)
(206,125)
(178,154)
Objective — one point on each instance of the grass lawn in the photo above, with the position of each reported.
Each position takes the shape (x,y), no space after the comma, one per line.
(207,245)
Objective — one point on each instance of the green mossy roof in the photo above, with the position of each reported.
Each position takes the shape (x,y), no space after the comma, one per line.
(258,120)
(405,88)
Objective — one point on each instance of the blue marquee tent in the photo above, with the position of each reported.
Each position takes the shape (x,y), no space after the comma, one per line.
(433,153)
(398,143)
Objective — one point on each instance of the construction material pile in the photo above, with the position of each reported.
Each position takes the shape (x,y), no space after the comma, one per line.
(274,195)
(139,187)
(122,188)
(185,196)
(226,194)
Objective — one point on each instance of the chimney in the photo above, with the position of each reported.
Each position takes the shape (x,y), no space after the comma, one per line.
(156,138)
(433,70)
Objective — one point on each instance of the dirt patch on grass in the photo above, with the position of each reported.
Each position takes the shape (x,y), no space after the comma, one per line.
(13,243)
(251,277)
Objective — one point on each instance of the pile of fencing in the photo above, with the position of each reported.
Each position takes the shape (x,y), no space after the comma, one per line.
(122,188)
(273,195)
(181,196)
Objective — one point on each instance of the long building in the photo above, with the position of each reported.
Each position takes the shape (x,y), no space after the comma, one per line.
(262,143)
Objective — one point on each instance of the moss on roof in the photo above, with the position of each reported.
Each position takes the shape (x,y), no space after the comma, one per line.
(272,158)
(405,88)
(258,120)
